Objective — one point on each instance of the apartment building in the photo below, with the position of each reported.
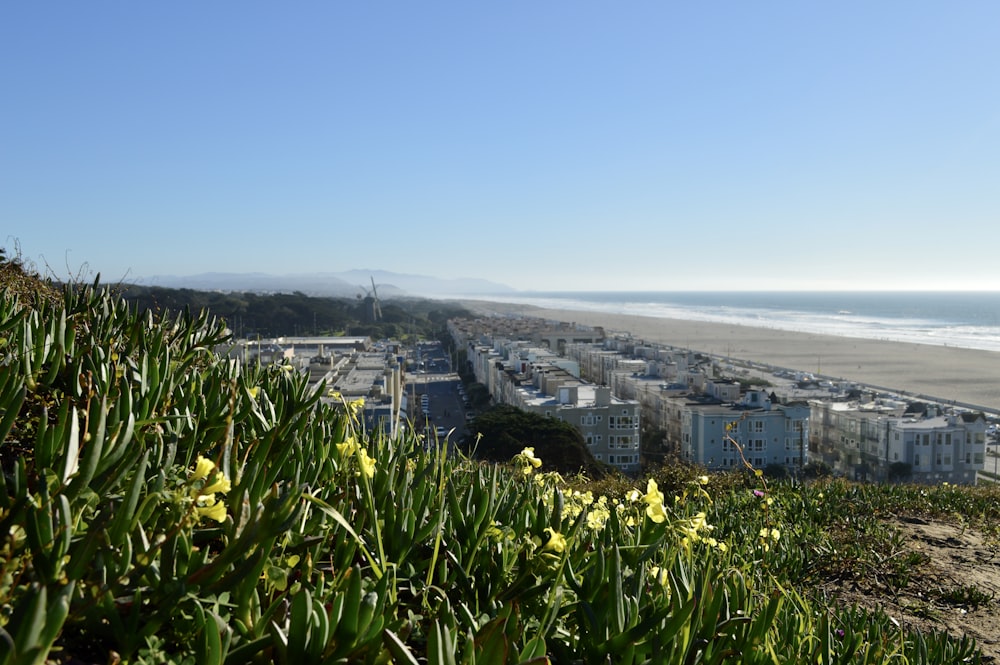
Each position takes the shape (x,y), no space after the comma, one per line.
(534,379)
(883,440)
(753,432)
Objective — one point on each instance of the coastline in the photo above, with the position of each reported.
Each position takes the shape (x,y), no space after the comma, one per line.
(967,377)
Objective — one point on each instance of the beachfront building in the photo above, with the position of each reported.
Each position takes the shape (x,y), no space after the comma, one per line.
(887,440)
(599,361)
(753,431)
(537,380)
(553,335)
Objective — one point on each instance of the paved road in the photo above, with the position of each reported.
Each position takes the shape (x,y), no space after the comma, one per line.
(440,384)
(445,404)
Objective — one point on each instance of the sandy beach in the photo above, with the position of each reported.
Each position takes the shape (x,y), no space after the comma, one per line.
(964,376)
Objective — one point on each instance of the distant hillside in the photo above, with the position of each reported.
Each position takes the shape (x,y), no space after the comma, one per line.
(337,284)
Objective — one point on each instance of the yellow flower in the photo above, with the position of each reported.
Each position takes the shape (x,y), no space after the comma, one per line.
(597,518)
(556,543)
(653,493)
(347,447)
(526,458)
(367,463)
(254,392)
(220,484)
(655,512)
(773,534)
(202,467)
(654,502)
(702,480)
(213,511)
(529,456)
(660,576)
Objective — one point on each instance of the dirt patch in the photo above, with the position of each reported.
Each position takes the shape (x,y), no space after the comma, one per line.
(955,587)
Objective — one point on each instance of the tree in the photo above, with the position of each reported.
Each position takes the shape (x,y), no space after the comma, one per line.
(900,471)
(504,431)
(817,469)
(776,471)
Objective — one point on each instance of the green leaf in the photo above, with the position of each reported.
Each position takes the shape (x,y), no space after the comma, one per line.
(126,512)
(12,408)
(535,648)
(398,649)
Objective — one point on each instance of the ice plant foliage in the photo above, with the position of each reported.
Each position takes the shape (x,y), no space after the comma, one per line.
(166,505)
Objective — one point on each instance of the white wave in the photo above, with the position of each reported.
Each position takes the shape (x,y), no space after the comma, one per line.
(842,324)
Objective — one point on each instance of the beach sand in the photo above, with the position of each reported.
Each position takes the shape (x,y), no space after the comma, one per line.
(966,377)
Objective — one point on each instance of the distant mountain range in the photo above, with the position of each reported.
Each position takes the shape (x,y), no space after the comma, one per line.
(335,284)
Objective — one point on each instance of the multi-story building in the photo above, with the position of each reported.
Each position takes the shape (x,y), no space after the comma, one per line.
(752,432)
(938,448)
(535,380)
(882,441)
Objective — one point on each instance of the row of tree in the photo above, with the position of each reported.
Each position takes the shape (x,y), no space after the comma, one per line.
(278,314)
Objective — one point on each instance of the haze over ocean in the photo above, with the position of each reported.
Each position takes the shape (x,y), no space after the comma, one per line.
(967,319)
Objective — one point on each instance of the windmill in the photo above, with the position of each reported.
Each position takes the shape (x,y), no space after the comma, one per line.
(376,307)
(373,310)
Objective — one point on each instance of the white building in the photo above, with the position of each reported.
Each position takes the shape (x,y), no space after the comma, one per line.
(535,380)
(880,442)
(753,432)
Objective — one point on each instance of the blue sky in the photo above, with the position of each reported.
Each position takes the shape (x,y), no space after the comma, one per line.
(547,145)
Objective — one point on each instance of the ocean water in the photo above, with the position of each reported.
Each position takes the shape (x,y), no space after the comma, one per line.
(965,319)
